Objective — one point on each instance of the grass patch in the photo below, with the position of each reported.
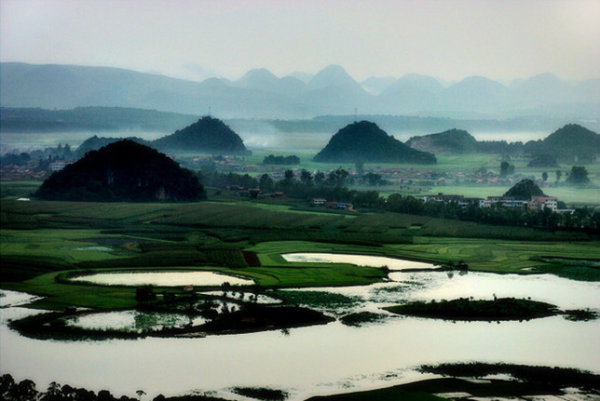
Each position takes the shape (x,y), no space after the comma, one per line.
(360,318)
(316,299)
(39,238)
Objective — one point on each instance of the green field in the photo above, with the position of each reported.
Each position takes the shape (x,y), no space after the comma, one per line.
(42,240)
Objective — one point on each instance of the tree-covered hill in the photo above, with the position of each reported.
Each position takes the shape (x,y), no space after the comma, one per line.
(366,142)
(524,190)
(451,141)
(95,143)
(569,143)
(206,135)
(123,171)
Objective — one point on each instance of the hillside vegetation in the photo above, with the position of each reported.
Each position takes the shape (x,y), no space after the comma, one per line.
(366,142)
(451,141)
(207,134)
(122,171)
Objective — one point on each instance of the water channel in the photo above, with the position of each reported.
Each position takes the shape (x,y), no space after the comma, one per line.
(323,359)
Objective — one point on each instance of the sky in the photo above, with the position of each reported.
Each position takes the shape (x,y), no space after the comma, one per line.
(499,39)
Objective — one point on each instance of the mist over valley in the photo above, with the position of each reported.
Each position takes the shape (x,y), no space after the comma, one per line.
(299,201)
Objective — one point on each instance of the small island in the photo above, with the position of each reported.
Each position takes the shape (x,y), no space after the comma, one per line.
(477,310)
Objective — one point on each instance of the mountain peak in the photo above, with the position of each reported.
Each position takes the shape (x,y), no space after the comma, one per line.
(256,78)
(332,75)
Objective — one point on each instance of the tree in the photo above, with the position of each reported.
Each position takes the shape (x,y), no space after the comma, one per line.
(266,183)
(373,179)
(506,168)
(337,178)
(578,176)
(306,177)
(545,176)
(319,177)
(144,294)
(558,175)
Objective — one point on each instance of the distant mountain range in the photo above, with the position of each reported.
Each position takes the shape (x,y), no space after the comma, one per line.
(262,95)
(112,119)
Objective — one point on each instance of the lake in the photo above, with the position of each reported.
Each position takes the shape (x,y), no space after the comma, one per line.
(324,359)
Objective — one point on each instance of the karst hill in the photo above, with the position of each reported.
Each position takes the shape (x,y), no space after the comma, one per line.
(366,142)
(123,171)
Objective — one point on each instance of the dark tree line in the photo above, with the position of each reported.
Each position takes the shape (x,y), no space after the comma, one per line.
(333,186)
(25,390)
(281,159)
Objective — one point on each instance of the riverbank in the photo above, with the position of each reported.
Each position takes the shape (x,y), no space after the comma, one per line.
(493,381)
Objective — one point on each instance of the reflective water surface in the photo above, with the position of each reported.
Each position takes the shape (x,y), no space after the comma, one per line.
(164,279)
(133,321)
(329,358)
(359,260)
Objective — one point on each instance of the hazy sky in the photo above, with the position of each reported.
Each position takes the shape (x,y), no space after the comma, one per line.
(500,39)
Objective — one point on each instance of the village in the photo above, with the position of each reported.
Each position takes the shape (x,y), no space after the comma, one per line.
(534,203)
(405,179)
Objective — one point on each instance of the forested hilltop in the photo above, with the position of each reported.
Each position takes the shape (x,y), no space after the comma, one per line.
(366,142)
(451,141)
(123,171)
(571,143)
(205,135)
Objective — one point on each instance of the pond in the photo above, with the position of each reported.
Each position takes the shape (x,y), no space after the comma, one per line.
(359,260)
(328,358)
(132,321)
(163,279)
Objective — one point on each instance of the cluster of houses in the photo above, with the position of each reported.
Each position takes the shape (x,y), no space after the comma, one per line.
(322,202)
(32,170)
(253,193)
(535,203)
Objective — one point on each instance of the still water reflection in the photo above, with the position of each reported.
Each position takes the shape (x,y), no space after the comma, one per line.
(330,358)
(163,279)
(359,260)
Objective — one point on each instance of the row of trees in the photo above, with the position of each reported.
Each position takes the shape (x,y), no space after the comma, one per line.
(25,390)
(577,176)
(333,186)
(271,159)
(296,186)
